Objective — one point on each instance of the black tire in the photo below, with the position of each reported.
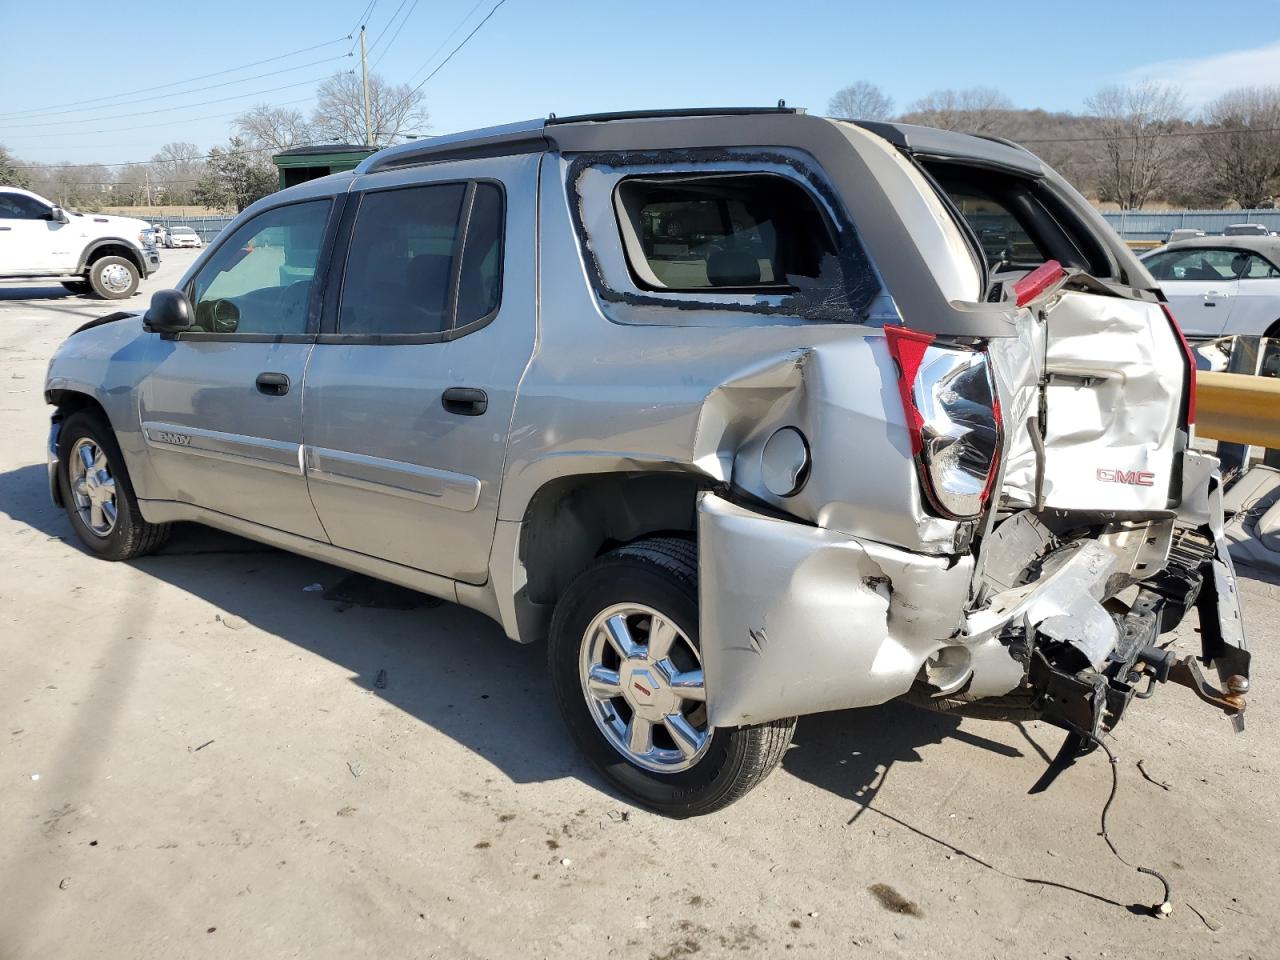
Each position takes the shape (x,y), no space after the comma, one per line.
(660,573)
(129,536)
(102,276)
(77,286)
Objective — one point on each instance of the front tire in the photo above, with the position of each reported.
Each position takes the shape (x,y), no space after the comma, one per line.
(627,674)
(97,494)
(114,278)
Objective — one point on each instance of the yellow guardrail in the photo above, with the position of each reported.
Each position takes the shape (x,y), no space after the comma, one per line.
(1238,408)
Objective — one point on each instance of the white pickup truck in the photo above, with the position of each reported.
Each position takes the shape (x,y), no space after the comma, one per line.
(85,251)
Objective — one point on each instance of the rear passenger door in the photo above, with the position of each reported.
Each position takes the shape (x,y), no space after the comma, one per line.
(1201,284)
(410,389)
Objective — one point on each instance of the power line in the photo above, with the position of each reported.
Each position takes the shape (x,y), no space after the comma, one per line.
(203,156)
(364,19)
(165,96)
(184,106)
(383,32)
(452,33)
(161,86)
(1152,136)
(474,31)
(166,123)
(391,43)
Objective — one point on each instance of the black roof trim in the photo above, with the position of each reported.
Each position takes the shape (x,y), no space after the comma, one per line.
(666,114)
(958,147)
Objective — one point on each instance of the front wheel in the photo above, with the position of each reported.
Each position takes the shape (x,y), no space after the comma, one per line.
(97,493)
(114,278)
(627,672)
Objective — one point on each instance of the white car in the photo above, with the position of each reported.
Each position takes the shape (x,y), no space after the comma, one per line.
(182,237)
(1220,286)
(86,252)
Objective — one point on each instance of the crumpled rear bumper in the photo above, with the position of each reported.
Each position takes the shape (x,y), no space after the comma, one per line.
(796,619)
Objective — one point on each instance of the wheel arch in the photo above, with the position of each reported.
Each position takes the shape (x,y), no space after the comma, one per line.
(66,402)
(111,247)
(571,520)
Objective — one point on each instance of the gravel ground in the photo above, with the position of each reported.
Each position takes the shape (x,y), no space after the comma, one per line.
(199,760)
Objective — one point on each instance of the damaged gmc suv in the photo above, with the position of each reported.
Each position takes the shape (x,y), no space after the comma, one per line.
(748,413)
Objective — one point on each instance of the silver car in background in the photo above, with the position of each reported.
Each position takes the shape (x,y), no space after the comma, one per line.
(748,414)
(1221,286)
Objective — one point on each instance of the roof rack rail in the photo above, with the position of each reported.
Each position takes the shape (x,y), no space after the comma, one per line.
(664,114)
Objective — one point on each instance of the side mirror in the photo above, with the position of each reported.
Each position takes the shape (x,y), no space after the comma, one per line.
(169,313)
(58,215)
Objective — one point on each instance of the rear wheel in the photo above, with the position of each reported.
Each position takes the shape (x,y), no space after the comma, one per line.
(97,494)
(627,672)
(114,278)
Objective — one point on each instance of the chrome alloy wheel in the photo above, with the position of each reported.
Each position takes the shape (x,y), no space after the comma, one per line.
(643,681)
(115,277)
(93,486)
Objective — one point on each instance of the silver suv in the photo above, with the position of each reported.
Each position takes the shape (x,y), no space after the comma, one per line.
(749,414)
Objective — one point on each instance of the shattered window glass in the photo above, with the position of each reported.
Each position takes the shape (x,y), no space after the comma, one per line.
(759,233)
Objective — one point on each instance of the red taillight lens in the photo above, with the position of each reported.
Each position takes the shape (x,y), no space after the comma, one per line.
(1191,365)
(953,418)
(1038,281)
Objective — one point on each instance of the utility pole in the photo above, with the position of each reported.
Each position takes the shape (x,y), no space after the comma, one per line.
(364,69)
(147,173)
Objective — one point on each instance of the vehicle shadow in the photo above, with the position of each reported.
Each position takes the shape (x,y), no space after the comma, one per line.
(54,292)
(852,753)
(453,668)
(449,667)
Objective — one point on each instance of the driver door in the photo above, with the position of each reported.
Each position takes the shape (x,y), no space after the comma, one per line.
(222,409)
(31,241)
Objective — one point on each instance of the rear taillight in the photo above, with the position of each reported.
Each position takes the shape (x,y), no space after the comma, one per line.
(1191,365)
(953,417)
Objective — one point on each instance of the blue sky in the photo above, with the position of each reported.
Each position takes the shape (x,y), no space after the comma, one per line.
(536,56)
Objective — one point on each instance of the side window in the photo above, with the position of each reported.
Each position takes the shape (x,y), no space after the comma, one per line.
(15,206)
(404,259)
(757,232)
(259,280)
(1260,269)
(1197,264)
(480,280)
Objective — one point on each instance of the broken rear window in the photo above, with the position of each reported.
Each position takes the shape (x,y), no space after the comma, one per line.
(1018,221)
(760,233)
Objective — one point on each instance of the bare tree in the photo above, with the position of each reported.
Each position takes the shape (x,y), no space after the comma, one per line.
(86,185)
(175,169)
(133,186)
(394,110)
(976,110)
(860,101)
(1241,151)
(277,128)
(1140,159)
(12,173)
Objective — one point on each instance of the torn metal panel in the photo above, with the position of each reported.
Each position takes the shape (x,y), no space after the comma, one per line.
(1101,378)
(1064,603)
(797,620)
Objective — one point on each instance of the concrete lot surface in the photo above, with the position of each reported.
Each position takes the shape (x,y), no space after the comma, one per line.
(197,760)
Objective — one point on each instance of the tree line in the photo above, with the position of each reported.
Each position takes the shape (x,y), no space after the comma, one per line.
(1133,145)
(235,174)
